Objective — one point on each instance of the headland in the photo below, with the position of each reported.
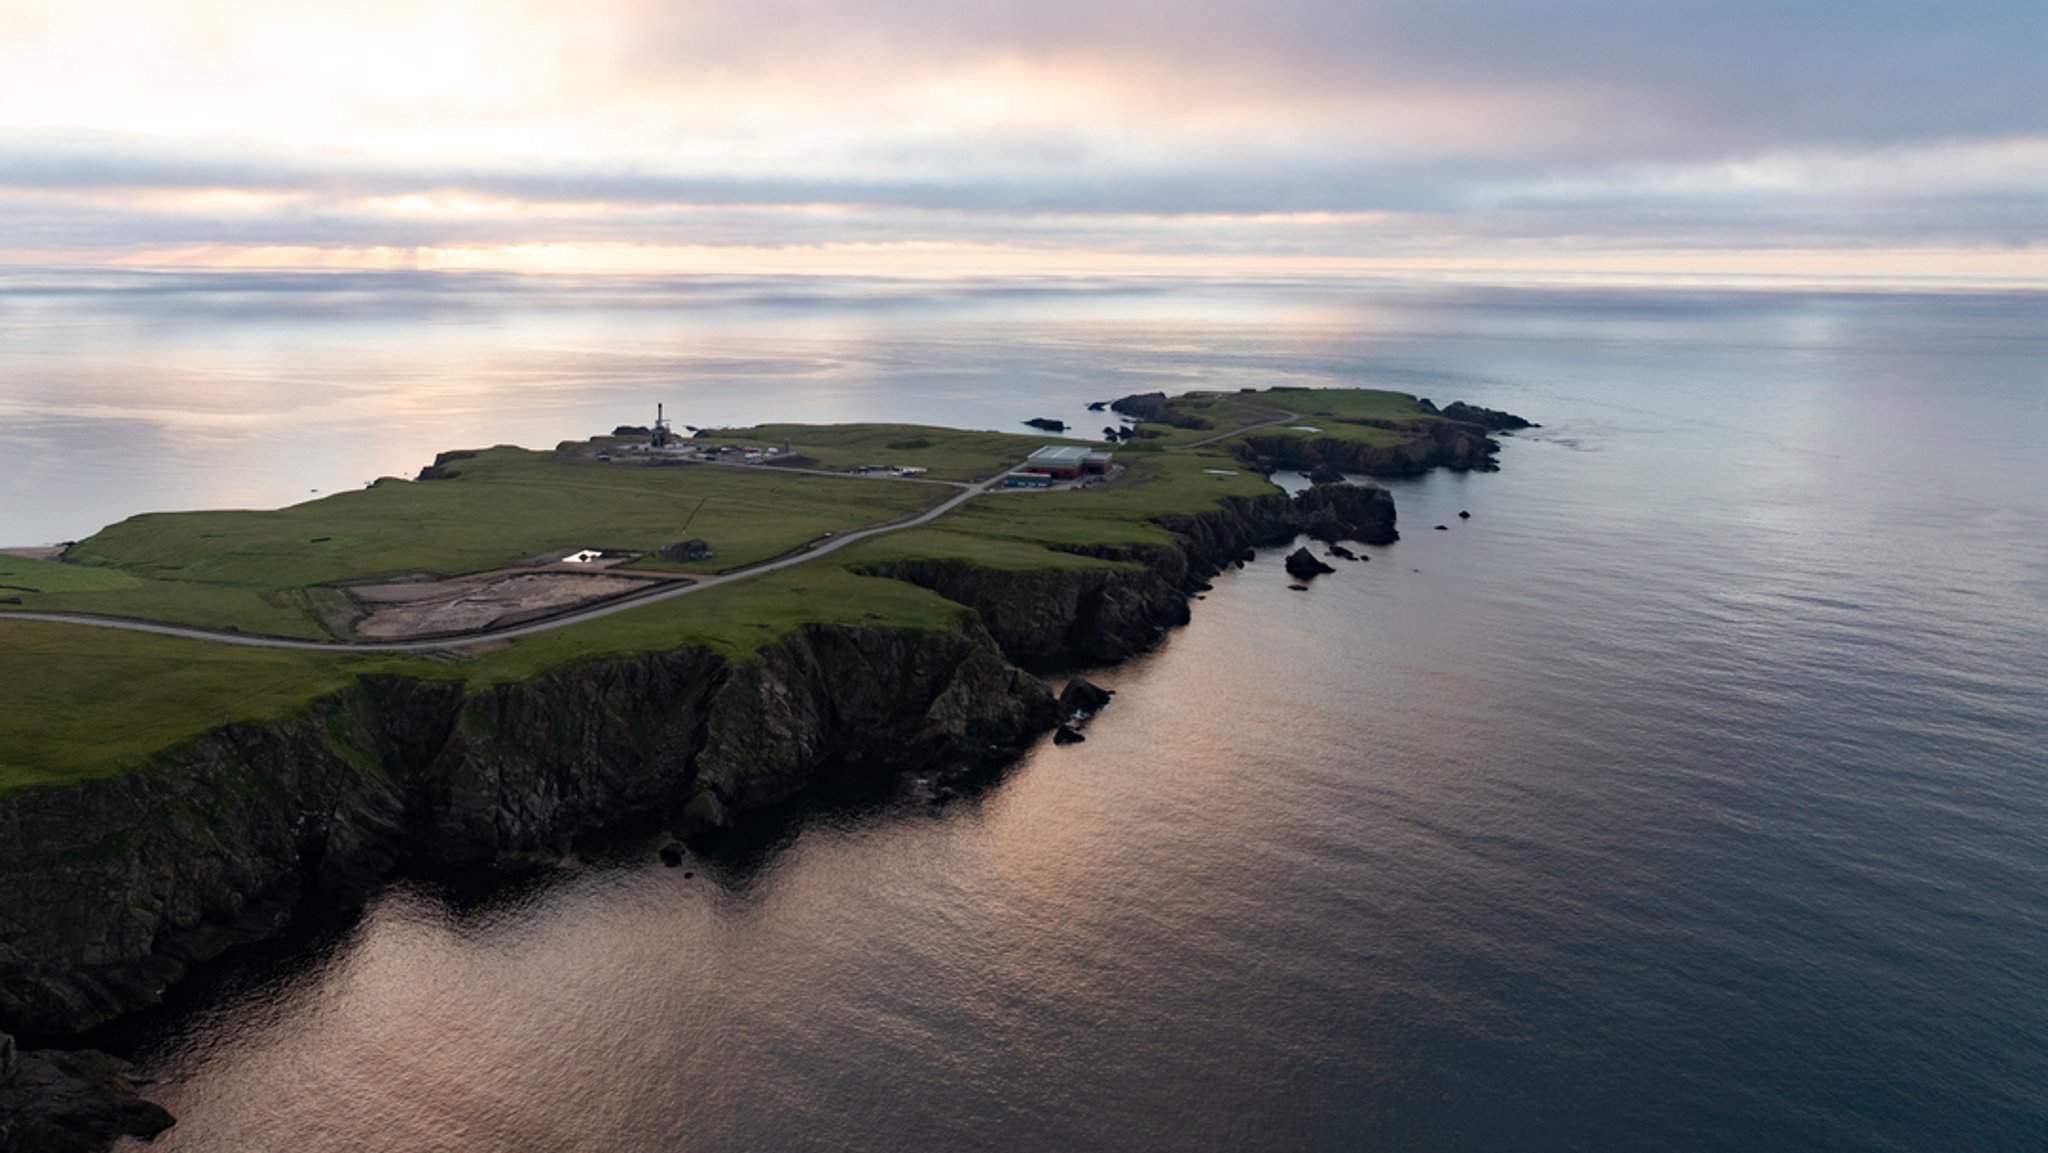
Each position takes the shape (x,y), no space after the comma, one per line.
(477,666)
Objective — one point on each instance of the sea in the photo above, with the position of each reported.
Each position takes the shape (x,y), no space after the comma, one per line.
(1689,794)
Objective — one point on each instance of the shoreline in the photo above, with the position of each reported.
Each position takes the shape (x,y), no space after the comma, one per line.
(411,775)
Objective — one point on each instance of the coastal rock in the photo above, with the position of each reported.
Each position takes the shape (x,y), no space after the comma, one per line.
(1302,565)
(1360,512)
(1067,735)
(1491,419)
(1454,437)
(1463,515)
(1325,473)
(1338,550)
(1097,405)
(439,470)
(1047,424)
(703,813)
(72,1102)
(1083,697)
(1156,408)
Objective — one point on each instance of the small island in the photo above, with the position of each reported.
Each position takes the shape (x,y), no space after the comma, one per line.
(213,714)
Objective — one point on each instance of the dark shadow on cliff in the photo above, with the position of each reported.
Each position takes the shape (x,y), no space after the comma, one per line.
(737,860)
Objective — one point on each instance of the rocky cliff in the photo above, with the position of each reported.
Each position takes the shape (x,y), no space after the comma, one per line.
(1059,618)
(58,1102)
(111,890)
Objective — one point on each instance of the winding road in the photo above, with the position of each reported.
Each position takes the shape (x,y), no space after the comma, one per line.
(579,616)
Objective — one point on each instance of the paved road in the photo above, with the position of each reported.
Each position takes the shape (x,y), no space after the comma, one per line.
(968,492)
(247,640)
(1206,441)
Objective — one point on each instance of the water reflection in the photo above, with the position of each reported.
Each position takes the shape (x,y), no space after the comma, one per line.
(1686,796)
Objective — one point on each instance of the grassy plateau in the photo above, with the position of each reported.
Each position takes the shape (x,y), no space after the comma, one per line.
(78,702)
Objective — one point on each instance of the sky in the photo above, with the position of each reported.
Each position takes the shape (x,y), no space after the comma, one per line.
(1856,138)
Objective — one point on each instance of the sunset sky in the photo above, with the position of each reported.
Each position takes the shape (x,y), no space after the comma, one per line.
(1873,138)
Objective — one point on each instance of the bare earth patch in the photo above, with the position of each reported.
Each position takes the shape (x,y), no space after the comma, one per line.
(482,601)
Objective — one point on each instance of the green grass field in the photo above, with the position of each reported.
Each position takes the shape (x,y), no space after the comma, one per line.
(1345,403)
(260,571)
(1225,412)
(76,703)
(1329,410)
(82,703)
(20,576)
(949,454)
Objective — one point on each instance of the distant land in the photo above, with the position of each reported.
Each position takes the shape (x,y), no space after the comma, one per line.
(213,714)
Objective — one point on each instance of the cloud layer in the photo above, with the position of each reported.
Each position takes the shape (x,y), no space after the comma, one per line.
(1283,131)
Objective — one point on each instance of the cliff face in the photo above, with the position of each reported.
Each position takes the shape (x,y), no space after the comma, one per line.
(1096,616)
(1050,619)
(1334,512)
(109,891)
(79,1102)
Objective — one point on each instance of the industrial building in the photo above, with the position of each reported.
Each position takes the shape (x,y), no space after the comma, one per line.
(1061,464)
(1068,462)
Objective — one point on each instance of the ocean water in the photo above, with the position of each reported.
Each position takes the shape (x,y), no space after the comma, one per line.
(1692,794)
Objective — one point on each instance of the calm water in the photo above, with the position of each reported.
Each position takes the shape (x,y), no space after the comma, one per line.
(1689,796)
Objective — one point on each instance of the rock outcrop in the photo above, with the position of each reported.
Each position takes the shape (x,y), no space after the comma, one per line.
(1083,697)
(70,1102)
(1331,513)
(1492,419)
(439,470)
(1303,565)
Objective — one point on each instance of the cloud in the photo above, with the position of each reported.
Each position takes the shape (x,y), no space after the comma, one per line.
(1289,127)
